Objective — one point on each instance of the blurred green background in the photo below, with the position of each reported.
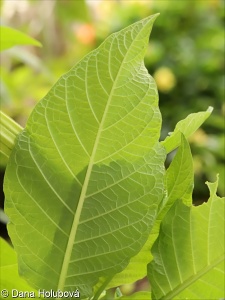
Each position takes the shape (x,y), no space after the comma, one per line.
(185,56)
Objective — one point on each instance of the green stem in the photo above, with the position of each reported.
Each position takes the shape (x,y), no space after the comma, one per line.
(9,131)
(102,288)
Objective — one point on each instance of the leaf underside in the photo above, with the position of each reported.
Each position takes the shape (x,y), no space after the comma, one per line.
(85,178)
(179,178)
(189,253)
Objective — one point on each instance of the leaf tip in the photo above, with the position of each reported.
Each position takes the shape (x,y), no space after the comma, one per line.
(155,16)
(210,109)
(150,19)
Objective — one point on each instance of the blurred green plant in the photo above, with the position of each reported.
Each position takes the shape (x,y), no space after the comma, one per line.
(10,37)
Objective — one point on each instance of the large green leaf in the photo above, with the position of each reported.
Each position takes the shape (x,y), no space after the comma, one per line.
(189,253)
(187,126)
(85,178)
(10,37)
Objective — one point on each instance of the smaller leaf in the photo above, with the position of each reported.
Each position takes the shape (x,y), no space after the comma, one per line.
(11,37)
(179,181)
(189,253)
(187,126)
(180,175)
(9,276)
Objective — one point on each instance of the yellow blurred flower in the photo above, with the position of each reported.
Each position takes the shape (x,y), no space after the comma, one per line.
(199,137)
(165,79)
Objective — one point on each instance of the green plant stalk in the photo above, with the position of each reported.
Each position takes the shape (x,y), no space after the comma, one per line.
(9,131)
(102,288)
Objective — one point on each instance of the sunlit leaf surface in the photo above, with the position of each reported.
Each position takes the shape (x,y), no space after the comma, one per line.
(179,185)
(85,178)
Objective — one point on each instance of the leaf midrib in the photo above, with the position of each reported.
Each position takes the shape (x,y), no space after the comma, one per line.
(185,284)
(75,224)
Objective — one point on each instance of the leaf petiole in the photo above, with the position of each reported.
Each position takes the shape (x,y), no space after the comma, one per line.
(9,130)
